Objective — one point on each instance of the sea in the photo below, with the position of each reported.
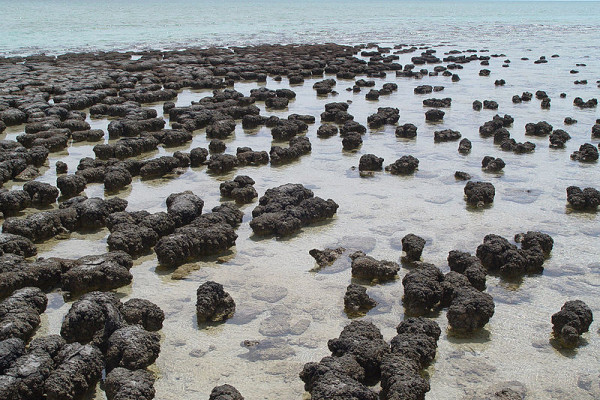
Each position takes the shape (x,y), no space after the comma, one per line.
(59,26)
(284,302)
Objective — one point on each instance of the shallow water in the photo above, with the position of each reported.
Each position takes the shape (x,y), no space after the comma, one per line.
(280,297)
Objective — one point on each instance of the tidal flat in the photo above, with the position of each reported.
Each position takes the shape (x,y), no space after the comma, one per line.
(286,307)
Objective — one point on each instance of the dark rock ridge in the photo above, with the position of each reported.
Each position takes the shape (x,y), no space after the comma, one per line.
(285,209)
(207,234)
(79,213)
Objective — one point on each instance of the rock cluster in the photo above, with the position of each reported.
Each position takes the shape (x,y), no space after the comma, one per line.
(285,209)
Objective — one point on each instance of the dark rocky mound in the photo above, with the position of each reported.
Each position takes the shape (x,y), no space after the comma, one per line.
(406,131)
(586,199)
(413,246)
(498,255)
(15,244)
(446,135)
(101,272)
(434,115)
(78,369)
(422,289)
(464,146)
(357,301)
(438,103)
(286,209)
(517,147)
(366,267)
(79,213)
(327,130)
(132,347)
(298,146)
(205,235)
(462,176)
(246,156)
(470,309)
(20,313)
(405,165)
(360,358)
(491,164)
(326,257)
(124,384)
(587,153)
(468,265)
(541,128)
(558,138)
(573,319)
(241,189)
(384,116)
(494,127)
(143,312)
(225,392)
(370,162)
(213,303)
(479,193)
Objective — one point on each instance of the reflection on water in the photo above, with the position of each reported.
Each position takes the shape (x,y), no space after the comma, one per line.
(286,311)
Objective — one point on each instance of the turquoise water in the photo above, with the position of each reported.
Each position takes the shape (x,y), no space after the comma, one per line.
(58,26)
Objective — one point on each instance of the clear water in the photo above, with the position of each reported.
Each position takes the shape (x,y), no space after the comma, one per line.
(271,279)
